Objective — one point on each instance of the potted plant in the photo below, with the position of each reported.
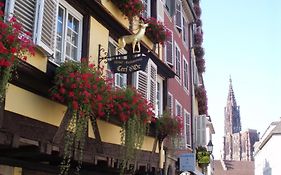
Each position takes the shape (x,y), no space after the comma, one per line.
(15,45)
(200,64)
(156,31)
(202,156)
(130,8)
(168,126)
(198,38)
(201,95)
(197,10)
(196,2)
(199,51)
(79,86)
(198,22)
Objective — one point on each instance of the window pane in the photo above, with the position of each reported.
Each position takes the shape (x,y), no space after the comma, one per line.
(59,28)
(60,14)
(58,57)
(67,52)
(75,25)
(74,53)
(68,37)
(70,21)
(75,39)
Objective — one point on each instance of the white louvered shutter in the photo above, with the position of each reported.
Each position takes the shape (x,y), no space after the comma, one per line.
(152,83)
(201,130)
(46,25)
(25,12)
(141,83)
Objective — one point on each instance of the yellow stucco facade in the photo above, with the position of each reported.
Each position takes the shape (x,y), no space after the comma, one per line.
(28,104)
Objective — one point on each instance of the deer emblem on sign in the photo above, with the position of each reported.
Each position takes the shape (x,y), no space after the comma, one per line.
(133,39)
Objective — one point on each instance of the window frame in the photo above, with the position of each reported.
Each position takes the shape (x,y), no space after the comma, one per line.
(147,10)
(185,74)
(159,101)
(117,75)
(178,61)
(180,11)
(171,106)
(177,103)
(171,42)
(78,16)
(187,123)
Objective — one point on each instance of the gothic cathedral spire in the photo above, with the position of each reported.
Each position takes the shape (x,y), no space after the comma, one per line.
(232,120)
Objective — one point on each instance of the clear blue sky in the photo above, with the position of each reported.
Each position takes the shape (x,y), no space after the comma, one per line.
(243,39)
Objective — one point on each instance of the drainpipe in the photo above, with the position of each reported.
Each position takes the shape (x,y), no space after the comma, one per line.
(190,28)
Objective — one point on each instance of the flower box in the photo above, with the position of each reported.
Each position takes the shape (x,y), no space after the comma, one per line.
(156,31)
(130,8)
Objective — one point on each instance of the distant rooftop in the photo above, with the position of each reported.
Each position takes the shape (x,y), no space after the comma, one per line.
(228,167)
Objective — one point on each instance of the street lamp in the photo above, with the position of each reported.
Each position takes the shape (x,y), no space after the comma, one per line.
(210,147)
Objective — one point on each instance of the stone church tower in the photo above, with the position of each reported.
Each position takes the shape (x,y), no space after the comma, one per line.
(232,121)
(237,145)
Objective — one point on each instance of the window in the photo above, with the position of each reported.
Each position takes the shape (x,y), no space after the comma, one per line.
(187,128)
(146,82)
(120,80)
(169,50)
(185,30)
(195,73)
(160,10)
(178,61)
(178,16)
(178,109)
(170,103)
(56,27)
(159,103)
(147,6)
(170,6)
(185,74)
(68,34)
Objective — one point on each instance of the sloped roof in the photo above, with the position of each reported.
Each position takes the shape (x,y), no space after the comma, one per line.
(234,167)
(276,130)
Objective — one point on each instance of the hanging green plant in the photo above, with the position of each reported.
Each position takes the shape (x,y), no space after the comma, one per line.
(202,156)
(80,86)
(135,113)
(15,45)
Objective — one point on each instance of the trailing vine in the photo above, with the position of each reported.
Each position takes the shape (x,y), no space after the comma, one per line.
(81,87)
(132,136)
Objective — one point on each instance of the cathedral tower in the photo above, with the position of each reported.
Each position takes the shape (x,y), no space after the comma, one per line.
(237,145)
(232,121)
